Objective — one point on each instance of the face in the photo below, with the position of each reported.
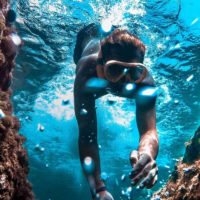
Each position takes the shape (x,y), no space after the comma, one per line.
(117,78)
(116,71)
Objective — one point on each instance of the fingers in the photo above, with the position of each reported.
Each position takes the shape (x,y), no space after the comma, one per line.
(144,170)
(138,177)
(133,157)
(150,185)
(150,179)
(144,159)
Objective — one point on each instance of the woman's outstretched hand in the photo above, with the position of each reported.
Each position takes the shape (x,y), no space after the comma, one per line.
(144,170)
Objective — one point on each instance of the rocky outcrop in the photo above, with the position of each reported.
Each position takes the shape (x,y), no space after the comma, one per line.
(184,184)
(193,149)
(13,157)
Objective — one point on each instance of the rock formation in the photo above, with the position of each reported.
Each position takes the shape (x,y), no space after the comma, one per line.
(184,184)
(13,157)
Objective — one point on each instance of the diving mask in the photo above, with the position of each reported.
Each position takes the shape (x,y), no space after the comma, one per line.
(115,71)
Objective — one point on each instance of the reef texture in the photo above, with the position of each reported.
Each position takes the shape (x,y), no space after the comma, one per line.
(184,183)
(13,157)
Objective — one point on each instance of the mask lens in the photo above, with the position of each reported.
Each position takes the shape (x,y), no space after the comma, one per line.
(115,71)
(136,73)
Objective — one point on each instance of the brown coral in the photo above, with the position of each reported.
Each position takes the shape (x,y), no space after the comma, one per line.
(184,183)
(13,157)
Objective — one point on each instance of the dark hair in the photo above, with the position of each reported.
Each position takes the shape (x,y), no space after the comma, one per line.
(126,44)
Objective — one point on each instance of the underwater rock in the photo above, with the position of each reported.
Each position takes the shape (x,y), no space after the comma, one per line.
(14,184)
(185,180)
(193,148)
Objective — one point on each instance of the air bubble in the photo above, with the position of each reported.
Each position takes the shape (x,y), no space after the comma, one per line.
(130,86)
(2,115)
(123,177)
(129,89)
(42,149)
(176,101)
(146,96)
(106,26)
(190,78)
(91,141)
(95,85)
(83,112)
(16,39)
(104,176)
(148,92)
(40,128)
(65,101)
(195,21)
(88,165)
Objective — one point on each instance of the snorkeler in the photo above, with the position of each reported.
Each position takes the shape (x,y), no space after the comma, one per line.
(115,62)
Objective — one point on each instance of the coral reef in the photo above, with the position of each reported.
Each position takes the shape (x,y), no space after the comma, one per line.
(184,184)
(13,157)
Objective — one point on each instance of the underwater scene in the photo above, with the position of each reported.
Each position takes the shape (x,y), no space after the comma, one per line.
(43,84)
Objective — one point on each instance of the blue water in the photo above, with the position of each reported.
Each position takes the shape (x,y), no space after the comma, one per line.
(44,77)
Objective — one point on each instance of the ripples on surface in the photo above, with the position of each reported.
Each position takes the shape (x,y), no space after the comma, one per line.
(44,78)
